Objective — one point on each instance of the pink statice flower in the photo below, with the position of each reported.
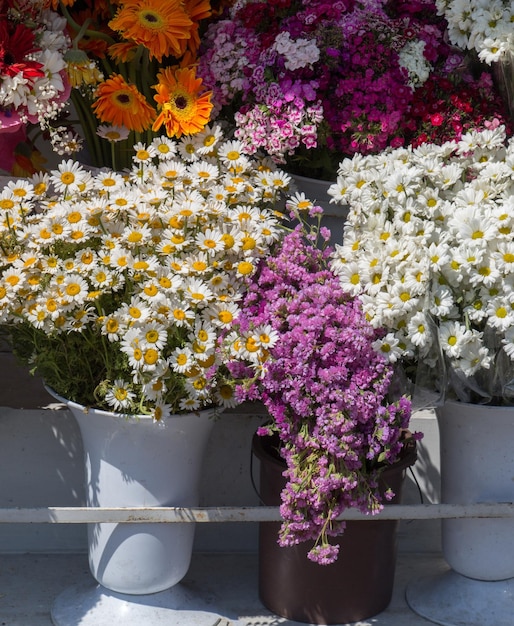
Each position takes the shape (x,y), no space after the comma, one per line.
(327,390)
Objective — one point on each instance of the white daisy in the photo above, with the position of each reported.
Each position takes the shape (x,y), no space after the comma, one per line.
(119,395)
(69,177)
(181,360)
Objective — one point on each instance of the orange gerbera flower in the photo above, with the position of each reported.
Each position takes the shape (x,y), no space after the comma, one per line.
(122,52)
(182,109)
(197,10)
(121,104)
(159,25)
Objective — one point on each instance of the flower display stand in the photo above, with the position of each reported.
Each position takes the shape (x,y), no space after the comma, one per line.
(138,567)
(477,465)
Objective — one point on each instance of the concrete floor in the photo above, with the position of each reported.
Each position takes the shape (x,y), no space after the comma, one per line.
(29,585)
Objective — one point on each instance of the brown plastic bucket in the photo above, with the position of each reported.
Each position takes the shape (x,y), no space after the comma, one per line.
(357,586)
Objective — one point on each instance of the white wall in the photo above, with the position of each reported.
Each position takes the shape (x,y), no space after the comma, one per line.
(41,465)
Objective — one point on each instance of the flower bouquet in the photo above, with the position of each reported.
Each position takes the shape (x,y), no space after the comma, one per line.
(485,28)
(311,82)
(304,348)
(132,72)
(117,289)
(428,249)
(34,85)
(128,66)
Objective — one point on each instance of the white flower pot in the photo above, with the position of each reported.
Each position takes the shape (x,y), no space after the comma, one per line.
(477,465)
(136,462)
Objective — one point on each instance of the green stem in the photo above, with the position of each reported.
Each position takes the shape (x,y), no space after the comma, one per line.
(94,34)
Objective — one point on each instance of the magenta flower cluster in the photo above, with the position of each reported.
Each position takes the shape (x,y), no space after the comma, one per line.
(326,389)
(303,78)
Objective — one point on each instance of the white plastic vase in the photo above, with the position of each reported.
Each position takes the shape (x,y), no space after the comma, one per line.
(477,465)
(136,462)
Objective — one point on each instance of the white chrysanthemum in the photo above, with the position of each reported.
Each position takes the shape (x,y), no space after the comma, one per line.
(189,404)
(74,289)
(389,347)
(153,335)
(120,258)
(197,292)
(112,133)
(207,139)
(164,147)
(113,327)
(500,314)
(181,313)
(299,203)
(232,154)
(21,189)
(210,241)
(474,357)
(171,171)
(441,302)
(37,315)
(68,177)
(203,171)
(204,335)
(119,395)
(198,264)
(135,311)
(453,336)
(109,181)
(143,153)
(13,279)
(267,337)
(418,328)
(129,344)
(225,396)
(181,360)
(197,386)
(222,314)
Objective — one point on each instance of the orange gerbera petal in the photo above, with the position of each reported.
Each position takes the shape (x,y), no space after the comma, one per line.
(159,25)
(122,52)
(54,4)
(198,9)
(121,104)
(182,108)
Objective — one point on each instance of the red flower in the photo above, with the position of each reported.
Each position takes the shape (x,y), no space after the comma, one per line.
(14,49)
(436,119)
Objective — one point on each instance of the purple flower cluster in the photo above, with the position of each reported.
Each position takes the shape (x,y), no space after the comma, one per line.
(303,77)
(326,390)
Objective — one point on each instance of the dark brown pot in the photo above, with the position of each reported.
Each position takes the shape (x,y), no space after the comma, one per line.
(357,586)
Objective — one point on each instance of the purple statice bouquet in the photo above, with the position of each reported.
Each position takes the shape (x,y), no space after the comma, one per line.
(311,81)
(305,349)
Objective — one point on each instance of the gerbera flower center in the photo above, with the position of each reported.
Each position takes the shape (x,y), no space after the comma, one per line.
(150,19)
(123,98)
(181,102)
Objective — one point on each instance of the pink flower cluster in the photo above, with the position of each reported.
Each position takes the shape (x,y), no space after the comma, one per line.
(351,91)
(326,390)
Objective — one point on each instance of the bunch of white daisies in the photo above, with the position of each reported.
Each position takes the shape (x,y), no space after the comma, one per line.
(118,289)
(486,26)
(429,248)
